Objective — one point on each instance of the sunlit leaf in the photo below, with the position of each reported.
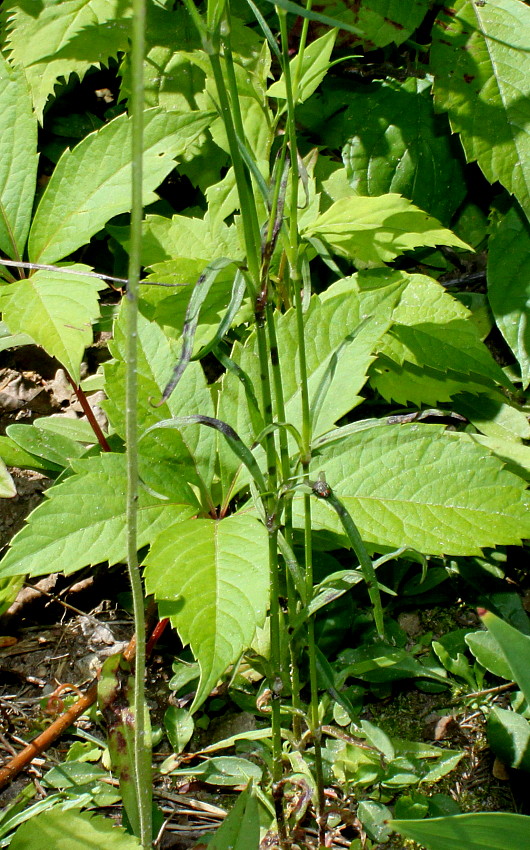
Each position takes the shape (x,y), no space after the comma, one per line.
(82,521)
(211,579)
(480,59)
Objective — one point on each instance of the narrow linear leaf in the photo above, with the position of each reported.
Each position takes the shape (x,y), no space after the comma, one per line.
(56,310)
(211,579)
(241,829)
(78,200)
(18,160)
(480,58)
(82,521)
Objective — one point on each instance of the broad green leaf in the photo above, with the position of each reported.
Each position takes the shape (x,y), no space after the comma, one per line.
(56,38)
(432,329)
(15,455)
(82,521)
(211,579)
(314,67)
(492,414)
(7,485)
(509,737)
(379,22)
(182,237)
(516,456)
(343,327)
(72,830)
(509,284)
(80,199)
(18,160)
(480,59)
(378,229)
(223,770)
(393,142)
(421,486)
(57,310)
(58,449)
(188,453)
(515,646)
(179,727)
(477,831)
(241,829)
(418,385)
(488,653)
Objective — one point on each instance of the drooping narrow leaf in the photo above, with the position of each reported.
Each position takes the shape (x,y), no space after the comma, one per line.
(82,520)
(57,310)
(477,831)
(509,284)
(79,199)
(480,58)
(421,486)
(18,160)
(211,579)
(378,229)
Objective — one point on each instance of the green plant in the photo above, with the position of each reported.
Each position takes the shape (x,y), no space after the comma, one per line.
(312,302)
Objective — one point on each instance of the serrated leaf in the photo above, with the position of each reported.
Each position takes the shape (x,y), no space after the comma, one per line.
(432,329)
(57,310)
(477,831)
(211,579)
(481,63)
(83,520)
(57,38)
(188,453)
(314,67)
(7,485)
(421,486)
(72,830)
(509,285)
(418,385)
(18,160)
(378,229)
(379,22)
(343,326)
(395,143)
(80,199)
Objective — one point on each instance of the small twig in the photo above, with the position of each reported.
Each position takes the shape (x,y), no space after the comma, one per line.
(89,413)
(498,690)
(43,741)
(66,270)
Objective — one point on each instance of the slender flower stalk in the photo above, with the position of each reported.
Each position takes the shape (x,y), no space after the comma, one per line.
(142,761)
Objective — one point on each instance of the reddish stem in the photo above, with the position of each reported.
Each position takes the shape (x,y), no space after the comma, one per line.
(89,413)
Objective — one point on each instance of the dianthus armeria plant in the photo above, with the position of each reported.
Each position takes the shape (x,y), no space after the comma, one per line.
(265,333)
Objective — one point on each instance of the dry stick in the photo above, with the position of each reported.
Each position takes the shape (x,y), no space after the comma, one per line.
(61,724)
(55,729)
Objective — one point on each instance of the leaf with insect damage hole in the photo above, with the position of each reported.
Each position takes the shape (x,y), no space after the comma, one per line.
(480,58)
(211,578)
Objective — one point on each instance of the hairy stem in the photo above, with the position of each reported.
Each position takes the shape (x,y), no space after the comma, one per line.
(141,746)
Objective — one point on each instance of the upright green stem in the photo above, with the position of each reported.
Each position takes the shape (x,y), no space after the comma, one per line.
(294,262)
(143,782)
